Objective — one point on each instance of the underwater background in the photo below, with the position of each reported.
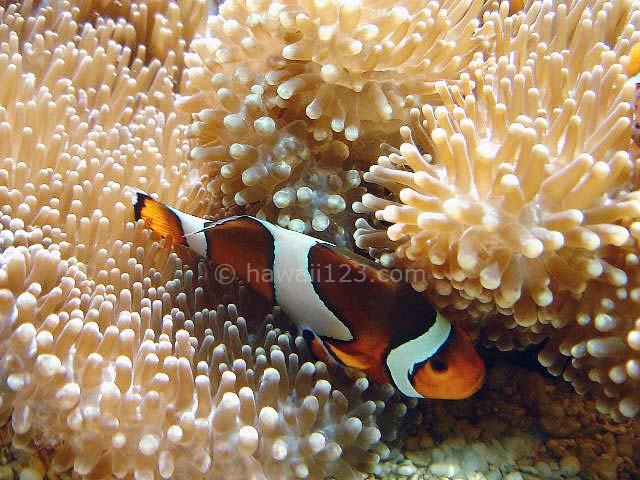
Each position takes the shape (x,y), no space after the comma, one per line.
(486,150)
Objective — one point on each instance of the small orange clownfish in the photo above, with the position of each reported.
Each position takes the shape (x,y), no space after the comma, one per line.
(633,72)
(348,308)
(516,6)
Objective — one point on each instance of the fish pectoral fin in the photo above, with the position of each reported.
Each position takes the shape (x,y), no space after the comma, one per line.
(323,349)
(360,362)
(318,350)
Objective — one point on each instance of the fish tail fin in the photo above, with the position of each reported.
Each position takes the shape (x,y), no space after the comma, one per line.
(160,218)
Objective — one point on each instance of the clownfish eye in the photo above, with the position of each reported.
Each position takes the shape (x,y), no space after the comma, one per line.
(439,366)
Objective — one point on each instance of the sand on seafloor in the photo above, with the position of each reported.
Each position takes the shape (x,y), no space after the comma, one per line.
(520,426)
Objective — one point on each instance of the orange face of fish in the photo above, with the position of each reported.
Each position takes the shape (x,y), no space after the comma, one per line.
(455,372)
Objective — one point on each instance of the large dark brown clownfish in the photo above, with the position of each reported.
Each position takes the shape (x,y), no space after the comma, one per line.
(347,307)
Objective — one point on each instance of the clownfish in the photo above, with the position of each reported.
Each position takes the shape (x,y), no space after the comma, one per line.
(633,72)
(633,64)
(516,6)
(349,309)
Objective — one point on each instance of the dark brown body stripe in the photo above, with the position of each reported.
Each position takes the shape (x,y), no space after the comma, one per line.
(381,312)
(332,280)
(245,245)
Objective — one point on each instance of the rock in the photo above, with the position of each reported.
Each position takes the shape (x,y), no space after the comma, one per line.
(476,476)
(421,458)
(473,462)
(437,455)
(607,466)
(470,461)
(499,376)
(624,446)
(480,448)
(494,474)
(472,433)
(36,464)
(564,428)
(493,427)
(543,469)
(454,443)
(426,441)
(514,476)
(30,474)
(406,470)
(412,443)
(444,469)
(569,465)
(499,437)
(6,472)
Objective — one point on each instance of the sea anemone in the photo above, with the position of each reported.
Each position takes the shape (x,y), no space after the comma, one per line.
(342,64)
(597,345)
(516,194)
(164,392)
(508,177)
(274,166)
(109,357)
(163,30)
(279,91)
